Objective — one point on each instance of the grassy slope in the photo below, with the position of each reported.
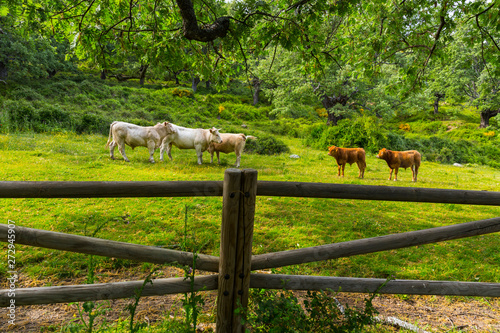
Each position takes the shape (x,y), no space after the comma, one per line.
(281,223)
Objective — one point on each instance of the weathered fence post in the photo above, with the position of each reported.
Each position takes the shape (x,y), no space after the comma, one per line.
(239,193)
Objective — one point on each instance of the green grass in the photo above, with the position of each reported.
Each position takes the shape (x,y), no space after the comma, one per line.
(280,223)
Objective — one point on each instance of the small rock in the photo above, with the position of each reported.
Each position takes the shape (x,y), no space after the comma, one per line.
(244,126)
(294,156)
(457,165)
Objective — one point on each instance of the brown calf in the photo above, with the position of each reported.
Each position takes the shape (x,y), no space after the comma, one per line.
(349,155)
(401,159)
(230,143)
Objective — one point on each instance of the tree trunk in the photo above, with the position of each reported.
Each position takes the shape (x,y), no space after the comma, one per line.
(4,72)
(103,74)
(436,102)
(329,102)
(195,83)
(142,72)
(485,117)
(256,90)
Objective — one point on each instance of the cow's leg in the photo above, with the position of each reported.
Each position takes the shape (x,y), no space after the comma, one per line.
(163,147)
(218,157)
(169,149)
(396,174)
(121,149)
(151,148)
(211,157)
(238,159)
(414,171)
(390,173)
(343,168)
(361,167)
(199,153)
(339,168)
(112,147)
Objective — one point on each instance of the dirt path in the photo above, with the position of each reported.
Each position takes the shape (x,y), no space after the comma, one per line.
(429,313)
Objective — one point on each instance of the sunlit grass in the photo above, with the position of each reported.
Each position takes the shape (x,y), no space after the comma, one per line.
(280,223)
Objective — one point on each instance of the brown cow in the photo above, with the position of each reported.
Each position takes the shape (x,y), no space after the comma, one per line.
(349,155)
(401,159)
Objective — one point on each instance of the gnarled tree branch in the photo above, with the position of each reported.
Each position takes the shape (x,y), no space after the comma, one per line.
(207,33)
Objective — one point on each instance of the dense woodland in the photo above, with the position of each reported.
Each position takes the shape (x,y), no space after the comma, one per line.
(408,75)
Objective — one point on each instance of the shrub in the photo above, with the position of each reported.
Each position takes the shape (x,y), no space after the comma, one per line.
(27,93)
(266,145)
(281,311)
(20,114)
(364,132)
(92,123)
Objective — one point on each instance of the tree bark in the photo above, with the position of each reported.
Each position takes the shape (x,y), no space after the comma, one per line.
(436,102)
(485,117)
(194,85)
(103,74)
(329,102)
(4,72)
(256,90)
(142,73)
(190,27)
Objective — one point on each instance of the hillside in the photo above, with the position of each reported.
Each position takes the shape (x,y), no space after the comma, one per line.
(48,135)
(82,103)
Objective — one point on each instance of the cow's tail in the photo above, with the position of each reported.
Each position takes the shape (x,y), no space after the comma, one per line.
(250,137)
(110,134)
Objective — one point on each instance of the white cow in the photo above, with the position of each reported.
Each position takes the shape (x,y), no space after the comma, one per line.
(191,138)
(230,143)
(121,134)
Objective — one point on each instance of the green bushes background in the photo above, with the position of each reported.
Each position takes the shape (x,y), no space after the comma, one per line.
(83,103)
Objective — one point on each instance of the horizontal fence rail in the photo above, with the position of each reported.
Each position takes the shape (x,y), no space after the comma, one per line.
(111,189)
(116,290)
(375,192)
(364,285)
(108,248)
(375,244)
(104,291)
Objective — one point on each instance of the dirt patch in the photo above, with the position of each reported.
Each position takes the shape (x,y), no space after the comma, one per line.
(429,313)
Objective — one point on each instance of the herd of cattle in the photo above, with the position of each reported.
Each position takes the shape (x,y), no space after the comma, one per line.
(395,160)
(164,135)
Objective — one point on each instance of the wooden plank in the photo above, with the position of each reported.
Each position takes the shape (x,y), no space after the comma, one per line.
(103,291)
(244,244)
(363,285)
(96,189)
(229,229)
(107,248)
(373,192)
(375,244)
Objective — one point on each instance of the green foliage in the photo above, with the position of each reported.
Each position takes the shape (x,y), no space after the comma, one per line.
(364,132)
(266,145)
(281,311)
(32,57)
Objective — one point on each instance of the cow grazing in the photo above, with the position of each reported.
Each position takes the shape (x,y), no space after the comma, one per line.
(349,155)
(401,159)
(230,143)
(121,134)
(191,138)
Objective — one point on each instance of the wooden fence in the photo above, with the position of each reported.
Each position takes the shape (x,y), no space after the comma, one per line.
(234,278)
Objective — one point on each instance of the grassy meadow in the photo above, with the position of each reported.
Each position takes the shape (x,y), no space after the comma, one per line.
(57,131)
(281,223)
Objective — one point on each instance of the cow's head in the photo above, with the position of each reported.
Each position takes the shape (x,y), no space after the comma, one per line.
(383,153)
(215,135)
(169,129)
(332,151)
